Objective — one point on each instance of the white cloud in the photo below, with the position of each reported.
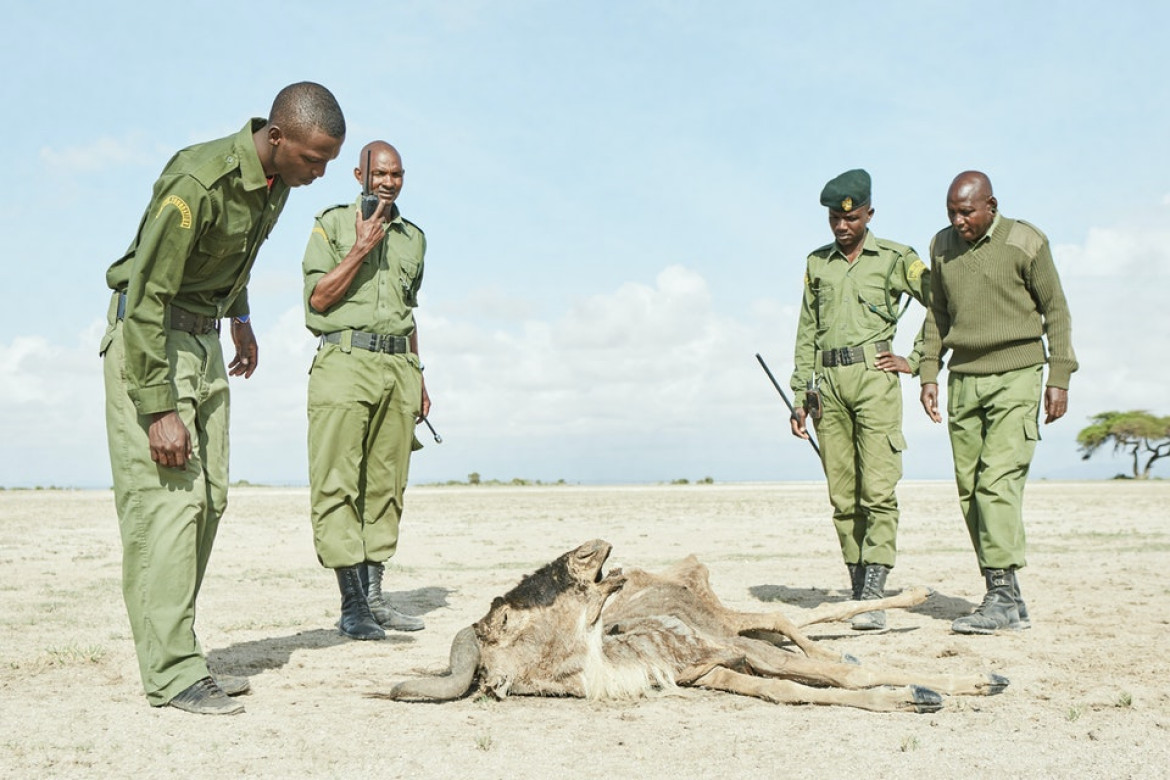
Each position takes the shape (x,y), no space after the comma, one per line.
(1120,252)
(639,382)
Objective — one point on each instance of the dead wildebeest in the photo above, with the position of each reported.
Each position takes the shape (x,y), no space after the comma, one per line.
(570,630)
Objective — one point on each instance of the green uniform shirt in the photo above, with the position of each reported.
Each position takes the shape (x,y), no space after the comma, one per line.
(211,209)
(851,304)
(385,290)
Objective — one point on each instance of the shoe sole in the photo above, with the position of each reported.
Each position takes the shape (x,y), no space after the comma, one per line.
(235,709)
(985,631)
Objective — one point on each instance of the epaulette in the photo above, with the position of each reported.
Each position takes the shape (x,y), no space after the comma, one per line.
(825,250)
(416,227)
(220,163)
(901,249)
(334,207)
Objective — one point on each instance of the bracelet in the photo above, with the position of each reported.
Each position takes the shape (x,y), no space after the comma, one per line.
(243,319)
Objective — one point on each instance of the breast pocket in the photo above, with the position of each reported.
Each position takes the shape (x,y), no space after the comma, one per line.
(408,270)
(223,245)
(825,296)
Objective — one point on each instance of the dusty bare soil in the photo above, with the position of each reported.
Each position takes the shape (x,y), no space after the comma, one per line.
(1089,694)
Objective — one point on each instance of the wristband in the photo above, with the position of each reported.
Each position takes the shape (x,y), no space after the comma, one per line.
(243,319)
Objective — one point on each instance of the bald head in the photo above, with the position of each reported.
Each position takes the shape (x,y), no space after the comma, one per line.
(385,171)
(376,147)
(971,206)
(971,183)
(302,108)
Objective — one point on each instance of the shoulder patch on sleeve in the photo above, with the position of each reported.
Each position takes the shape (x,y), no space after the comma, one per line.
(1026,236)
(914,272)
(318,230)
(181,205)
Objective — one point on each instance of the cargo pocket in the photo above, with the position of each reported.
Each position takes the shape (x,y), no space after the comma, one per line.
(1031,430)
(415,444)
(106,341)
(317,357)
(897,441)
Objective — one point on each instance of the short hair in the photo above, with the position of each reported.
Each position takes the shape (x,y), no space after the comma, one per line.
(307,106)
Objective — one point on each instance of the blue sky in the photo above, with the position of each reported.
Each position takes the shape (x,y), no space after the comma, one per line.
(618,199)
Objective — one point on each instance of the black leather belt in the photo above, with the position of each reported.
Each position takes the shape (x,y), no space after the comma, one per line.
(847,356)
(374,342)
(179,319)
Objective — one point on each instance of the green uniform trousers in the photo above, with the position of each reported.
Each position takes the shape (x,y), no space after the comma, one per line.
(362,410)
(993,424)
(860,435)
(168,517)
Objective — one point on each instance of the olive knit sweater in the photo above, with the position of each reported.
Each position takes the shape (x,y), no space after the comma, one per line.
(992,303)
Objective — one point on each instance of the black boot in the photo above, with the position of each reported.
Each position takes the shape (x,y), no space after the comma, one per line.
(873,587)
(356,620)
(1021,607)
(856,579)
(999,609)
(386,615)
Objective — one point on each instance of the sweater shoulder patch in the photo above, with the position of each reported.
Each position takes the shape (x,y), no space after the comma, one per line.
(1026,237)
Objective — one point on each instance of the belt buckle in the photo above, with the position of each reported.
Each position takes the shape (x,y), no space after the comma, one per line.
(383,343)
(845,356)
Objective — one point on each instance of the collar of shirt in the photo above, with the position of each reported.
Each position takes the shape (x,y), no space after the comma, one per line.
(986,236)
(251,169)
(868,246)
(395,221)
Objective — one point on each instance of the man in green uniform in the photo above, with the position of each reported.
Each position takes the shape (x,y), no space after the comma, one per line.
(852,295)
(366,391)
(996,297)
(166,387)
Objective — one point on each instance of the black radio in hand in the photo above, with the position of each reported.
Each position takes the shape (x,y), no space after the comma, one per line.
(369,201)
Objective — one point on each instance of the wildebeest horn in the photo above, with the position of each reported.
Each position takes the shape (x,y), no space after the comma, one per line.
(464,661)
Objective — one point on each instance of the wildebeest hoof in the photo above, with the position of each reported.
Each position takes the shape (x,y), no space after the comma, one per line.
(995,684)
(924,699)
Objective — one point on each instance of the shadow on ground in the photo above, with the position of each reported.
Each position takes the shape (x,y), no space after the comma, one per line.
(274,652)
(806,598)
(938,606)
(943,607)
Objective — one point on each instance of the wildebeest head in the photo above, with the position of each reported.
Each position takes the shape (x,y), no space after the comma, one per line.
(537,638)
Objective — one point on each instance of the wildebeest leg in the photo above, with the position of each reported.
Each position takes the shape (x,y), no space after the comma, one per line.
(763,623)
(777,623)
(843,610)
(773,662)
(905,699)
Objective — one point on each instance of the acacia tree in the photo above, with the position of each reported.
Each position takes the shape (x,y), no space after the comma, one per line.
(1138,433)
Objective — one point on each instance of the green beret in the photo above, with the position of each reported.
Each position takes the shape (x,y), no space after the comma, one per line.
(848,191)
